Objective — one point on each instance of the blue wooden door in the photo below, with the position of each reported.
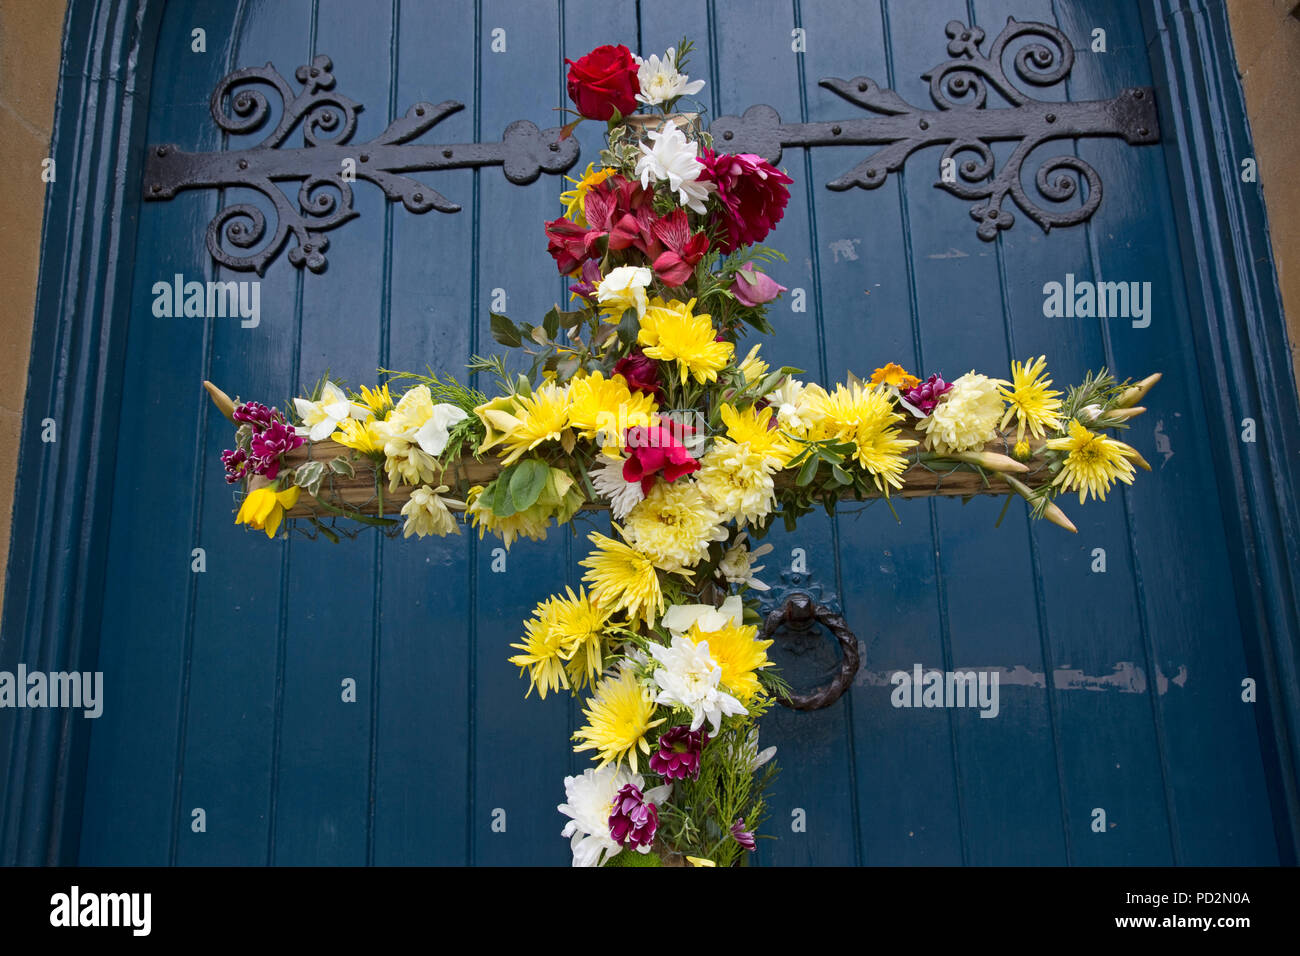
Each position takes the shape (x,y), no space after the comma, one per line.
(1121,689)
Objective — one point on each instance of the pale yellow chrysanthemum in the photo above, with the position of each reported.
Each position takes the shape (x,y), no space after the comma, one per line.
(674,525)
(754,427)
(427,513)
(1094,462)
(793,401)
(737,481)
(607,406)
(865,417)
(622,578)
(406,463)
(618,718)
(740,654)
(563,642)
(752,367)
(539,417)
(967,417)
(1029,400)
(574,199)
(672,332)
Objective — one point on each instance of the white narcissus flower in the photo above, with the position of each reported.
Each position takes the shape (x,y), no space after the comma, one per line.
(679,618)
(674,159)
(624,288)
(427,513)
(433,434)
(590,801)
(607,478)
(661,82)
(320,418)
(737,565)
(688,677)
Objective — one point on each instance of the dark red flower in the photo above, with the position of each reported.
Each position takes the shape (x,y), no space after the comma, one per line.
(655,450)
(752,193)
(567,244)
(633,822)
(683,249)
(641,373)
(603,81)
(678,756)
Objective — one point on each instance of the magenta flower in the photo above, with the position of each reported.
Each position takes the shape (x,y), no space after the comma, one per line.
(678,756)
(742,836)
(753,196)
(761,290)
(236,463)
(633,822)
(590,275)
(268,446)
(683,249)
(255,414)
(926,395)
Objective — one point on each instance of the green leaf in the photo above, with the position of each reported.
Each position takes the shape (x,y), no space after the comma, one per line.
(551,322)
(341,466)
(807,472)
(505,331)
(308,477)
(629,328)
(527,482)
(840,475)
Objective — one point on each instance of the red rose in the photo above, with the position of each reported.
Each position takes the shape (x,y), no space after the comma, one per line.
(641,373)
(603,81)
(653,451)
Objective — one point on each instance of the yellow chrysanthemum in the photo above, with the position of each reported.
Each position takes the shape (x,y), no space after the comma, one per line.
(740,654)
(377,399)
(618,718)
(562,642)
(896,375)
(536,418)
(1030,401)
(754,427)
(672,332)
(737,481)
(752,367)
(574,199)
(264,508)
(674,525)
(607,406)
(1094,462)
(622,578)
(359,435)
(865,417)
(968,416)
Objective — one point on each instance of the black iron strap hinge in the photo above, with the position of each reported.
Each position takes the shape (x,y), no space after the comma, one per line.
(328,163)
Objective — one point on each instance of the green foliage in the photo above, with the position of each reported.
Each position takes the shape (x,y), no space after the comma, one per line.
(631,858)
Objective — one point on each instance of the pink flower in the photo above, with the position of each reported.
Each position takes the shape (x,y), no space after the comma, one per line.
(753,196)
(633,822)
(742,836)
(654,450)
(678,756)
(677,263)
(762,289)
(926,395)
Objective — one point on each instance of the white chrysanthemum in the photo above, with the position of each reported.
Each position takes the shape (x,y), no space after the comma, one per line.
(674,159)
(688,677)
(320,418)
(967,417)
(427,513)
(738,481)
(674,525)
(661,82)
(607,478)
(738,567)
(590,801)
(793,411)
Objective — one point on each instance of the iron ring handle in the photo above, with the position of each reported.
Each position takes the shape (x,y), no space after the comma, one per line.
(800,610)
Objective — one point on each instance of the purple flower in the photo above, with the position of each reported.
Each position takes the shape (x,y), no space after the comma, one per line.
(761,290)
(255,414)
(926,395)
(268,446)
(678,756)
(590,276)
(236,463)
(742,836)
(633,822)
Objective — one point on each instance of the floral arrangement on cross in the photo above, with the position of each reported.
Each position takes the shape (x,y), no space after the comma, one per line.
(639,400)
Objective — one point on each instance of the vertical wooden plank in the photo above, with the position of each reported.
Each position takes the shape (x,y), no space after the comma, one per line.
(421,759)
(322,784)
(1180,556)
(904,760)
(227,738)
(127,816)
(999,761)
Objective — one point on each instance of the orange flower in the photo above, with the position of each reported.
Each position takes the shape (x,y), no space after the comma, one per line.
(895,375)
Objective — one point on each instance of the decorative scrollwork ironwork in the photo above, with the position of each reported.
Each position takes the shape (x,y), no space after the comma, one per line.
(1068,189)
(966,125)
(324,198)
